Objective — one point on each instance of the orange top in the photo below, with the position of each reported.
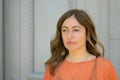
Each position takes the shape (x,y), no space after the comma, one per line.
(96,69)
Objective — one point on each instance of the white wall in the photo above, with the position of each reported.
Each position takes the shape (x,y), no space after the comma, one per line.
(114,27)
(1,41)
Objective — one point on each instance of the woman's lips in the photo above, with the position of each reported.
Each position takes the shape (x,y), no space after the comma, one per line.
(70,43)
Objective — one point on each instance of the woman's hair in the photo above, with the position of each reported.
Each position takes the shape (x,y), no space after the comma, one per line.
(58,50)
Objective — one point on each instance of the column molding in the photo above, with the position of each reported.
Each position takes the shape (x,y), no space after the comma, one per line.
(72,4)
(1,40)
(18,39)
(26,38)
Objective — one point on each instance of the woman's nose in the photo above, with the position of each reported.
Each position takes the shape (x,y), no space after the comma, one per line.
(69,34)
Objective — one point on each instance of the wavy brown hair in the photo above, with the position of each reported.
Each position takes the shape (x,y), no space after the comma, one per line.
(58,50)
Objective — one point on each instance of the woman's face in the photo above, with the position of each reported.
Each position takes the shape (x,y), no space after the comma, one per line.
(73,34)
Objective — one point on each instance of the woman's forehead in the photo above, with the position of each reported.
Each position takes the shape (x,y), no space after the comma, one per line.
(70,21)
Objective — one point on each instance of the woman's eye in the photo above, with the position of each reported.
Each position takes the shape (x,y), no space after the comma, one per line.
(64,30)
(76,30)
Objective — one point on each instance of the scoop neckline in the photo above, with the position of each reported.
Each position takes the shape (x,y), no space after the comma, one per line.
(92,60)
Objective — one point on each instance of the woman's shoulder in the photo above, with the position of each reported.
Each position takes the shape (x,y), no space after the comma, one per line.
(103,62)
(105,67)
(102,59)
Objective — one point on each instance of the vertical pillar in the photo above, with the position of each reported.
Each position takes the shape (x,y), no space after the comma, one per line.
(72,4)
(12,39)
(18,39)
(1,41)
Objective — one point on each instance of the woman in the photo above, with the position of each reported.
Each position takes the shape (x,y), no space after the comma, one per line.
(74,53)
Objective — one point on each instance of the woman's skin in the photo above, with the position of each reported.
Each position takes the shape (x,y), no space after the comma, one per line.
(74,39)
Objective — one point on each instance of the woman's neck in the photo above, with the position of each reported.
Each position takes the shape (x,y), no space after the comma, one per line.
(77,56)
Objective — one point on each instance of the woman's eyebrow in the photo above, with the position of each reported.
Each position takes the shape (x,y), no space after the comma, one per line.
(64,27)
(72,27)
(76,27)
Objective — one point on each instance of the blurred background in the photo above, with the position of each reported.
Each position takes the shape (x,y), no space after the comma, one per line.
(27,26)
